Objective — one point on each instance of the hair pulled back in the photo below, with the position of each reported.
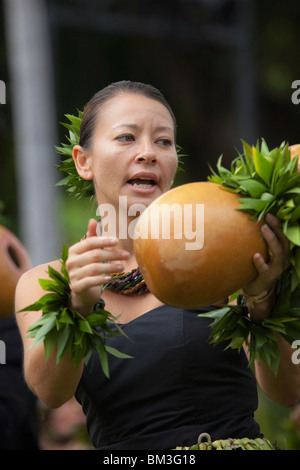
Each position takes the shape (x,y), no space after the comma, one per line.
(93,107)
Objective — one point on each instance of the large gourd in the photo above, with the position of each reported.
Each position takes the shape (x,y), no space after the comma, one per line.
(295,151)
(188,276)
(14,261)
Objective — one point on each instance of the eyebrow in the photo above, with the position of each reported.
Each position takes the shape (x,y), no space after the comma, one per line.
(135,126)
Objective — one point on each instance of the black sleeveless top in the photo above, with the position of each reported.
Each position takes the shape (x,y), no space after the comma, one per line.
(176,386)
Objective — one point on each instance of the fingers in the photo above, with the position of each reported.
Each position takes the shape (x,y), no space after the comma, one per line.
(261,266)
(94,243)
(92,260)
(95,249)
(279,248)
(92,228)
(272,240)
(82,285)
(268,271)
(274,224)
(100,252)
(278,244)
(97,256)
(90,264)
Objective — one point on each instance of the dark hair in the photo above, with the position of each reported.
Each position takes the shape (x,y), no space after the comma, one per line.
(92,108)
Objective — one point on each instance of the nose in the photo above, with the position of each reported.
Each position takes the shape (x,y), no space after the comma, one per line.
(146,153)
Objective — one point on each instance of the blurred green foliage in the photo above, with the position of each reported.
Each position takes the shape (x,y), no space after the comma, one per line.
(276,423)
(74,215)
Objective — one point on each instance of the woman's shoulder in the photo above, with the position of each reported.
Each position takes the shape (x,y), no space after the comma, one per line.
(40,270)
(37,272)
(28,289)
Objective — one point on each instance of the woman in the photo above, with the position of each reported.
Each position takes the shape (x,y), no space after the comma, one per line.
(177,385)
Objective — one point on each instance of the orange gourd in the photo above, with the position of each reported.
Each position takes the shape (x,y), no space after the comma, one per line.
(14,261)
(199,275)
(295,150)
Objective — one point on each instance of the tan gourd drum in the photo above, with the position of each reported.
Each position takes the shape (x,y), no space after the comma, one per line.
(14,261)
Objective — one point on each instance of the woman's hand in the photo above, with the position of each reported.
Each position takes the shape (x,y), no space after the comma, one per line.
(269,271)
(89,265)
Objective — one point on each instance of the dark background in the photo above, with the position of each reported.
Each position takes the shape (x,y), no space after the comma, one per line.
(226,68)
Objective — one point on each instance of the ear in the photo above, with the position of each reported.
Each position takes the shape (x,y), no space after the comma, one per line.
(82,162)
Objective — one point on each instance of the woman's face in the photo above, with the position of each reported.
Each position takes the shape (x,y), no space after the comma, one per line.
(133,150)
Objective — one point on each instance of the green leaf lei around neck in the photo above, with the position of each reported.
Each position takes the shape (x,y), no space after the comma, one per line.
(267,182)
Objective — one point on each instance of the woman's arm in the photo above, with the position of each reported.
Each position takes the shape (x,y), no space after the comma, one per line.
(284,388)
(56,383)
(53,383)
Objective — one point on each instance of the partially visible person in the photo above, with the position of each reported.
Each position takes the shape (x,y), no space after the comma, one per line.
(19,415)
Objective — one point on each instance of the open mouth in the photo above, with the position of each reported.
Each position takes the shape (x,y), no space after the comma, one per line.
(142,183)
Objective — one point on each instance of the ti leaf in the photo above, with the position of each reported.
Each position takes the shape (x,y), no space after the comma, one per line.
(64,328)
(265,181)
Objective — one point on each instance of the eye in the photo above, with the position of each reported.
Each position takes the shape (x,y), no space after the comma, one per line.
(165,142)
(125,138)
